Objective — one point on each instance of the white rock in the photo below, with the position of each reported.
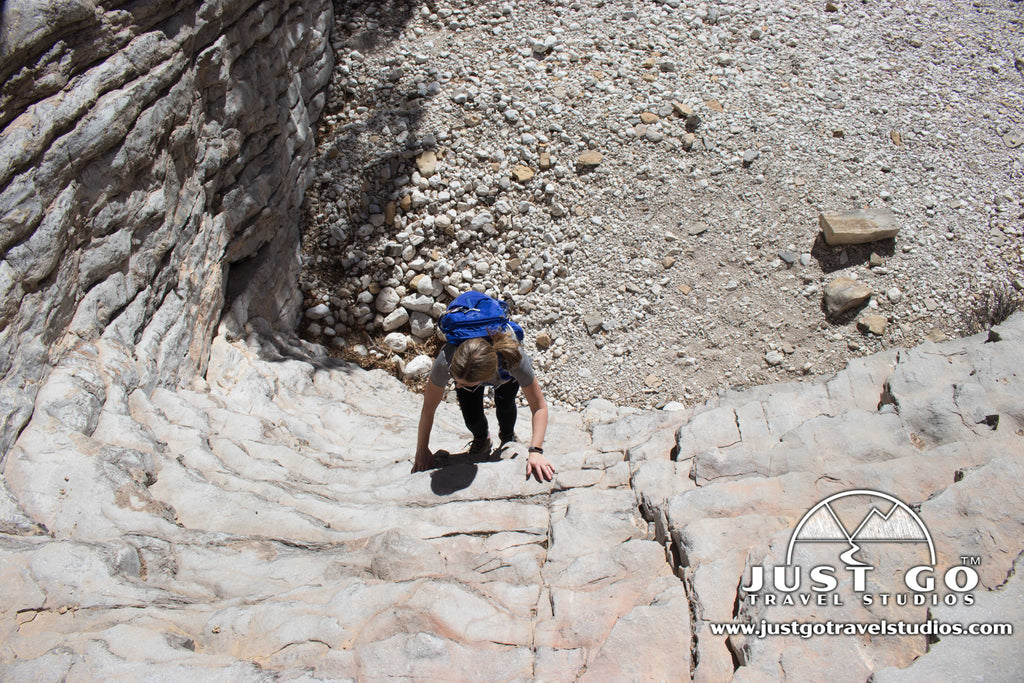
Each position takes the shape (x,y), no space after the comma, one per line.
(417,302)
(387,300)
(396,319)
(482,221)
(422,325)
(418,366)
(397,342)
(318,312)
(600,411)
(425,286)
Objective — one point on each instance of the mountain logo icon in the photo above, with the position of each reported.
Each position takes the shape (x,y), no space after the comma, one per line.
(888,520)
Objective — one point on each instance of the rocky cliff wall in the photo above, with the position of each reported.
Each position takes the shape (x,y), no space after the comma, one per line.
(153,159)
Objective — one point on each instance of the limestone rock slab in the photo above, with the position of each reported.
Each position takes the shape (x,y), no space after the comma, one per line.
(858,227)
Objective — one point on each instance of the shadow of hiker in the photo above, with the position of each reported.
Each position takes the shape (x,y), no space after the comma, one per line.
(448,479)
(453,472)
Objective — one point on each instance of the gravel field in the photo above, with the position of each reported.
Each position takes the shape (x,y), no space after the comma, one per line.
(644,179)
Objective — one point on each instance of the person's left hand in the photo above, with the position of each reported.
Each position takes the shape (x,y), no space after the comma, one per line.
(424,460)
(538,466)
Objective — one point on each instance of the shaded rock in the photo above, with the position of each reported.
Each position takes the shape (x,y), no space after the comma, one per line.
(318,312)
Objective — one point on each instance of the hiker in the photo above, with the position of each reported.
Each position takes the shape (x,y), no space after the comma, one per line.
(483,349)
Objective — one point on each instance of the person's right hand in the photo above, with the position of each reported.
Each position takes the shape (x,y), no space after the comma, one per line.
(424,459)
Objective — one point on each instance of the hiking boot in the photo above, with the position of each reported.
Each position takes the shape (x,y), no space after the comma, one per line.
(507,438)
(479,448)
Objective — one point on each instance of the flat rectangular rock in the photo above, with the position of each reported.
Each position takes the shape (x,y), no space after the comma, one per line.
(858,227)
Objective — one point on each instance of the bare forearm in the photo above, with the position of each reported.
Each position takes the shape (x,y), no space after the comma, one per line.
(432,396)
(423,432)
(540,426)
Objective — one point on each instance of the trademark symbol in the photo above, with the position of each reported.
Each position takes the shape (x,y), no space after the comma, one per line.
(970,560)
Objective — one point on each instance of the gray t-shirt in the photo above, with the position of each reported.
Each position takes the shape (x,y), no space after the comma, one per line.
(522,373)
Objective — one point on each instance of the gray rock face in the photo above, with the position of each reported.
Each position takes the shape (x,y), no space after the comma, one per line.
(324,553)
(266,513)
(147,172)
(942,434)
(967,657)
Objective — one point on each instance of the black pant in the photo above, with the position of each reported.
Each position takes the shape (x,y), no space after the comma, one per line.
(471,401)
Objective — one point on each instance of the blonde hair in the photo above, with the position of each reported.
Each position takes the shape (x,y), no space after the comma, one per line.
(476,360)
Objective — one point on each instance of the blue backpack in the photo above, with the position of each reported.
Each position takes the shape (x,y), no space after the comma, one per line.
(473,315)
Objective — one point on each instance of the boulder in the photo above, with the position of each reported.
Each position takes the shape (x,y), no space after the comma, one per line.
(858,227)
(844,293)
